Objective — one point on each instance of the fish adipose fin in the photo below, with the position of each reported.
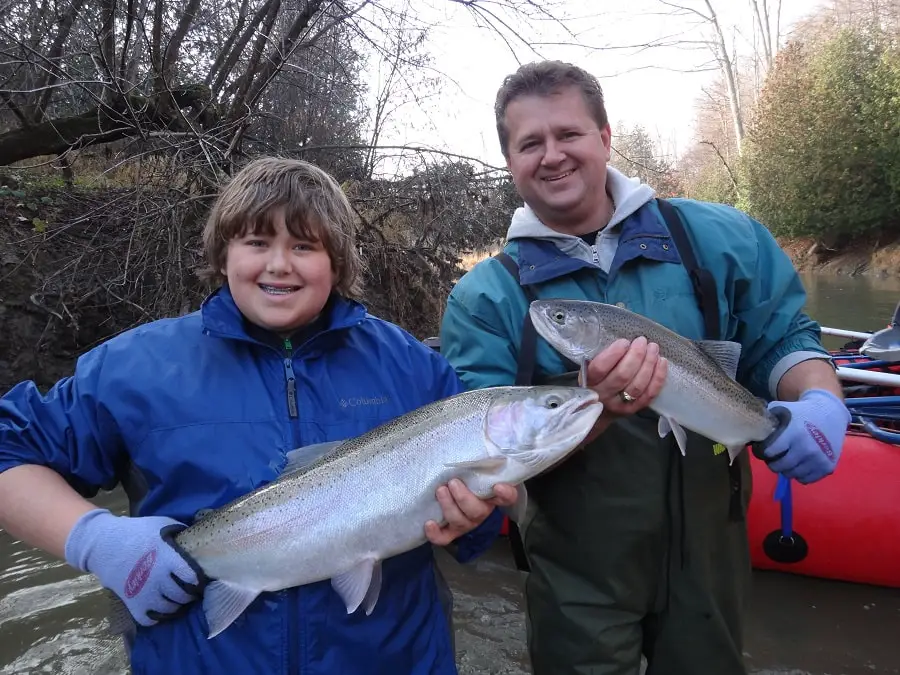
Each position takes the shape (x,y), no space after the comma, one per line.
(726,354)
(667,424)
(733,452)
(223,602)
(359,585)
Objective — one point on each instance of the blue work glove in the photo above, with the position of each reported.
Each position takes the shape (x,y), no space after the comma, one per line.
(136,559)
(808,444)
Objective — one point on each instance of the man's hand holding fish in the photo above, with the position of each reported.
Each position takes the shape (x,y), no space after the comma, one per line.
(627,376)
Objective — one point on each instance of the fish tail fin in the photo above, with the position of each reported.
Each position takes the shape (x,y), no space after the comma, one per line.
(120,620)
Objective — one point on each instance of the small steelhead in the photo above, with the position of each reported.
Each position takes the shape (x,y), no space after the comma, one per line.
(700,392)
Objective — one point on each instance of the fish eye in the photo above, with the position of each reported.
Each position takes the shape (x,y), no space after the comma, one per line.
(554,402)
(559,316)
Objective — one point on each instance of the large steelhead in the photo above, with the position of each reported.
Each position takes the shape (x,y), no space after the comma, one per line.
(700,392)
(368,498)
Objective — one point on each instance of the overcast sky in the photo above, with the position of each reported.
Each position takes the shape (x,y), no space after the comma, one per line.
(640,85)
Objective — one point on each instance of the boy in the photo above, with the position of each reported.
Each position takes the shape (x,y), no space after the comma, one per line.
(192,412)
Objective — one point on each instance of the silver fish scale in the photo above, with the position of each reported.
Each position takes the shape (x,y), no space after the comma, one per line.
(617,323)
(361,472)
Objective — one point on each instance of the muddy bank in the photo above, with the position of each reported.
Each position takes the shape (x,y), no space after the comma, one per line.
(870,257)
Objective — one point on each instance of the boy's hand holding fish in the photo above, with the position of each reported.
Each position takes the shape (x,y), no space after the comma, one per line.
(464,511)
(135,558)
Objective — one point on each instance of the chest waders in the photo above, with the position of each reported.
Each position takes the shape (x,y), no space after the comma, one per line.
(632,548)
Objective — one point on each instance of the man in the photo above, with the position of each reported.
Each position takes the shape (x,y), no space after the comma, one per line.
(634,548)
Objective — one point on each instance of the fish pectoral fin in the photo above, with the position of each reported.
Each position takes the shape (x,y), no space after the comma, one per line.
(582,373)
(223,602)
(667,424)
(300,458)
(489,464)
(726,354)
(359,584)
(516,512)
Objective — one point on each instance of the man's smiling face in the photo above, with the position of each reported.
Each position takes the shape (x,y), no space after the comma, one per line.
(557,157)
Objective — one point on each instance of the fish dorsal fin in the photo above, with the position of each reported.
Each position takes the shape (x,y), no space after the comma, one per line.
(301,458)
(726,354)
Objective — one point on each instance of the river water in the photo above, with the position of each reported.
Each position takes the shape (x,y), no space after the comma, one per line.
(51,617)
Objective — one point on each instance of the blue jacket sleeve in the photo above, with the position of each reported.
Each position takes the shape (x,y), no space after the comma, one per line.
(771,325)
(480,330)
(67,429)
(471,545)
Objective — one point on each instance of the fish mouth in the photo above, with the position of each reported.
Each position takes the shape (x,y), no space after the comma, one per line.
(579,422)
(584,407)
(588,402)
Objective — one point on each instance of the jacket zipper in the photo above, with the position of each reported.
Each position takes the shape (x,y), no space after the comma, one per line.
(291,384)
(294,413)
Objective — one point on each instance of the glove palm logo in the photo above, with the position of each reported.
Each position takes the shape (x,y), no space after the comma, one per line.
(820,440)
(140,573)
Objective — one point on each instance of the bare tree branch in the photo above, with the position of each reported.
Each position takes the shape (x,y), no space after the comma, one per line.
(724,162)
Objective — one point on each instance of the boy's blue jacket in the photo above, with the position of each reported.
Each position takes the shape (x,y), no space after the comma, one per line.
(192,412)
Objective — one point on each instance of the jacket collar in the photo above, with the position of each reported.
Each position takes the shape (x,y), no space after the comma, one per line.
(643,235)
(220,317)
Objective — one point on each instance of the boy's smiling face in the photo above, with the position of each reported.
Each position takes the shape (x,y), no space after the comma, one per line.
(278,281)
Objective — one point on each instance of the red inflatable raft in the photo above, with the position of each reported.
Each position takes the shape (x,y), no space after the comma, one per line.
(848,524)
(850,521)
